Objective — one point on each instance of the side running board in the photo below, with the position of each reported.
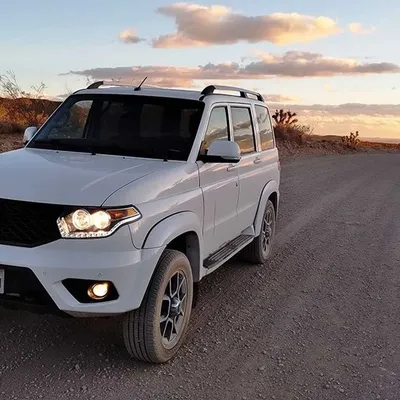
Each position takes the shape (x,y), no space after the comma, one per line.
(229,250)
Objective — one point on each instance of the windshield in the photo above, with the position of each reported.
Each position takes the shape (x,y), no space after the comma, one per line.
(138,126)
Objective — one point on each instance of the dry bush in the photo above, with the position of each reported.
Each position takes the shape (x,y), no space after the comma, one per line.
(10,142)
(292,132)
(8,127)
(351,141)
(21,107)
(287,128)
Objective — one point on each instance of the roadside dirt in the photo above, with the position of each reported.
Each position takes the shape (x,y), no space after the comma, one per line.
(290,150)
(320,321)
(10,141)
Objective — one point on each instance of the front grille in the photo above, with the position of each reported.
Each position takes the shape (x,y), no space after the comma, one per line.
(28,224)
(22,287)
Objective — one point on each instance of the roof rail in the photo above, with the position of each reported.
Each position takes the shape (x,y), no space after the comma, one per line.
(209,90)
(96,85)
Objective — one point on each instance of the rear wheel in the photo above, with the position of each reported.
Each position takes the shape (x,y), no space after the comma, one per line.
(259,250)
(155,331)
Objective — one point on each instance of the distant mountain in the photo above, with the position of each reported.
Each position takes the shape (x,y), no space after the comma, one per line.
(380,140)
(364,139)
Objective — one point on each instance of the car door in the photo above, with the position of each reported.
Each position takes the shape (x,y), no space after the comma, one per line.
(220,185)
(269,165)
(251,177)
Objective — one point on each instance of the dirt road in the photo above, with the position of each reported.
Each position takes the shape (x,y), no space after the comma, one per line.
(321,321)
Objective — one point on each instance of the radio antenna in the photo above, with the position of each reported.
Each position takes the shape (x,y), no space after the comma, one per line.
(141,83)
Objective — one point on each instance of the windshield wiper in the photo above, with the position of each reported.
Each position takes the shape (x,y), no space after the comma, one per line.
(128,150)
(102,147)
(65,144)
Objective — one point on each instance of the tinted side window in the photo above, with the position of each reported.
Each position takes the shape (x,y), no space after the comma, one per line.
(266,132)
(243,130)
(217,128)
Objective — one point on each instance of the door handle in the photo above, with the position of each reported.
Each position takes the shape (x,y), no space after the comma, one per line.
(231,168)
(257,160)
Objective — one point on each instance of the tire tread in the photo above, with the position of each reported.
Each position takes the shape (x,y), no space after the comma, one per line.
(252,253)
(136,331)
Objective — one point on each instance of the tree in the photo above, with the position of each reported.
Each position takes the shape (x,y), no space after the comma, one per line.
(282,117)
(27,108)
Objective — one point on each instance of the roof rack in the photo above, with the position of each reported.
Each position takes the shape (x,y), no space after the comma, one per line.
(96,85)
(209,90)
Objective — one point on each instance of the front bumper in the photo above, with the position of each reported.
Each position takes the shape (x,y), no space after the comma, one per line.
(113,259)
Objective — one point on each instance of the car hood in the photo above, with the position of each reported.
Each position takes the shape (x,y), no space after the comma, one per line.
(69,178)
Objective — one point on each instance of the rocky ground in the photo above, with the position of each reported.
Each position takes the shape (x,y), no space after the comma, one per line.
(10,141)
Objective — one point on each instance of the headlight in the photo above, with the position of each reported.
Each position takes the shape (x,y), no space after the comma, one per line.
(95,222)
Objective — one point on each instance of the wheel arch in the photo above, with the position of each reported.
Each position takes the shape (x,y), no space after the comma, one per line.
(182,232)
(270,192)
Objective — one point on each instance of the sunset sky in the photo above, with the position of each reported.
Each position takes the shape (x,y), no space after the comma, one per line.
(336,64)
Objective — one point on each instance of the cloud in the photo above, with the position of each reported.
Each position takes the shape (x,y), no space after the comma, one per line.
(292,64)
(360,109)
(129,36)
(328,87)
(306,64)
(279,98)
(61,97)
(199,26)
(359,29)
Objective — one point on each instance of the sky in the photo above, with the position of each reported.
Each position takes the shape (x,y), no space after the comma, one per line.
(336,64)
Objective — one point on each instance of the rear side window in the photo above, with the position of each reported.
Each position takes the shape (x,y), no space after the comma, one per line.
(264,124)
(243,130)
(217,128)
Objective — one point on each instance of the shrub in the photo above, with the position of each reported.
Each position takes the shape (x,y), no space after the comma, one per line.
(7,127)
(287,127)
(351,141)
(26,108)
(292,132)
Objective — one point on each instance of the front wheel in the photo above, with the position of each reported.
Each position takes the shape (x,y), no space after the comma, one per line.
(156,330)
(259,250)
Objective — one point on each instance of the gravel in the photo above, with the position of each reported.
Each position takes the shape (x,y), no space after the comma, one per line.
(320,321)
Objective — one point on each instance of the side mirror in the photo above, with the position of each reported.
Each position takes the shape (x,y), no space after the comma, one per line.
(29,134)
(223,151)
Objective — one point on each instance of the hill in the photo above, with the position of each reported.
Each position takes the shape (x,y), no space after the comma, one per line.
(16,115)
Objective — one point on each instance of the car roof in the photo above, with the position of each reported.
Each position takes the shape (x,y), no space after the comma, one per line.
(145,91)
(207,93)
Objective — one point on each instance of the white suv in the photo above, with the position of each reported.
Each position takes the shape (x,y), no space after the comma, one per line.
(127,197)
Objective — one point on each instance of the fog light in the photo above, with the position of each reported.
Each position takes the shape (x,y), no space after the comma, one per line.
(98,291)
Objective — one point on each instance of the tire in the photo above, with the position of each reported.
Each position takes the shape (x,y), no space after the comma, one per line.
(256,252)
(145,335)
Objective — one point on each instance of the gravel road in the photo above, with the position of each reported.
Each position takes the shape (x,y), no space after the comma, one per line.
(321,321)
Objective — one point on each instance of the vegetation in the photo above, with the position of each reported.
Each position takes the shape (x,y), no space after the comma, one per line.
(18,108)
(7,127)
(292,133)
(287,127)
(351,141)
(282,117)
